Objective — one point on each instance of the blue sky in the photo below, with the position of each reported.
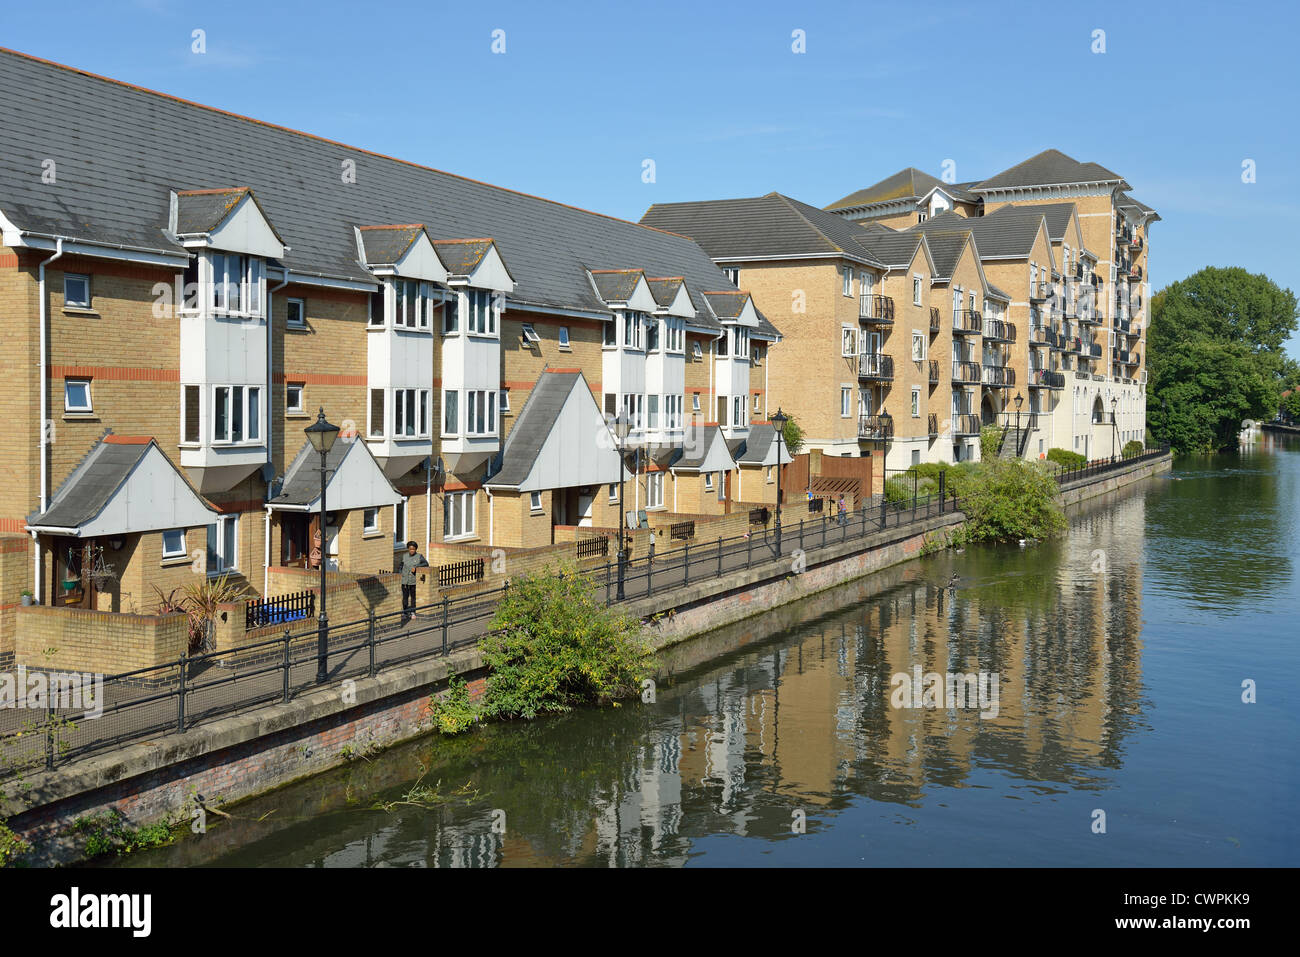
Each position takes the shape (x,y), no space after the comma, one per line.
(713,94)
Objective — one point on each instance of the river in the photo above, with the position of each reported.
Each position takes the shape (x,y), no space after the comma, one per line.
(1118,736)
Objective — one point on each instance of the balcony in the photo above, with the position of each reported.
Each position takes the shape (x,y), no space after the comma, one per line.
(876,309)
(1094,349)
(935,321)
(1073,344)
(1121,324)
(1046,379)
(1039,291)
(967,322)
(1040,336)
(966,372)
(999,377)
(876,427)
(999,331)
(1123,356)
(1134,330)
(875,365)
(934,372)
(932,424)
(1055,340)
(1134,359)
(965,424)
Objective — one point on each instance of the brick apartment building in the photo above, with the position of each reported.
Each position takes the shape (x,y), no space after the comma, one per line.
(918,310)
(182,289)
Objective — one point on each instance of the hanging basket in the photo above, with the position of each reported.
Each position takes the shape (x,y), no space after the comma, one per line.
(70,583)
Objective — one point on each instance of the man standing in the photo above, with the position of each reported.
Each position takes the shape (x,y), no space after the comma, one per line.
(410,562)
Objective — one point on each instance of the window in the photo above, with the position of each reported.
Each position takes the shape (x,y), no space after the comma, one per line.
(535,501)
(654,490)
(190,418)
(236,413)
(76,395)
(236,283)
(695,399)
(530,334)
(609,334)
(722,342)
(652,335)
(847,337)
(756,404)
(293,397)
(916,456)
(652,412)
(916,403)
(918,347)
(296,314)
(375,308)
(503,401)
(634,409)
(410,413)
(457,515)
(451,315)
(173,543)
(377,413)
(733,274)
(708,481)
(846,402)
(738,410)
(481,412)
(564,339)
(613,493)
(76,291)
(848,281)
(412,303)
(672,411)
(768,473)
(222,539)
(916,290)
(482,314)
(696,351)
(676,334)
(632,326)
(369,521)
(399,523)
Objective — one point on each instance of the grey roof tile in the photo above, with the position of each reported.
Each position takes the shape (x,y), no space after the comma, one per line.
(387,244)
(1049,168)
(532,428)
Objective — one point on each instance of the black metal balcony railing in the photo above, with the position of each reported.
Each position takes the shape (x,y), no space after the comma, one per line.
(932,424)
(1094,349)
(965,372)
(968,321)
(999,377)
(935,320)
(1039,291)
(999,330)
(1134,359)
(876,426)
(1055,340)
(1121,323)
(966,424)
(1040,336)
(875,365)
(1122,354)
(1073,344)
(934,372)
(876,309)
(1046,378)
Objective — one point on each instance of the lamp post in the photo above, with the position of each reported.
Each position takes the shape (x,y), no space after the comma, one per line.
(621,427)
(322,434)
(1019,399)
(1114,442)
(778,421)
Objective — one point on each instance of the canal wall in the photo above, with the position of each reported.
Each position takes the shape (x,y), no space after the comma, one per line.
(252,753)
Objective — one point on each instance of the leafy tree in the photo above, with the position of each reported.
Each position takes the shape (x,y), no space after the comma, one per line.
(1009,499)
(1215,354)
(793,433)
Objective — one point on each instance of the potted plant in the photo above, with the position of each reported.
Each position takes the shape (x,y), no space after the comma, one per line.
(27,597)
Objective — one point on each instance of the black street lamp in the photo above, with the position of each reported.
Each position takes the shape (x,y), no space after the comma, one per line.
(621,428)
(322,434)
(1114,442)
(1019,399)
(778,421)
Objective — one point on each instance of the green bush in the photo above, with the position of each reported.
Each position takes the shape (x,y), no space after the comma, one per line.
(454,711)
(900,487)
(1007,500)
(553,647)
(12,847)
(1132,448)
(109,833)
(990,439)
(1066,458)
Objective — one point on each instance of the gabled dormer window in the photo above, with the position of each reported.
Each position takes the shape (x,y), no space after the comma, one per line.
(236,284)
(632,325)
(412,303)
(482,319)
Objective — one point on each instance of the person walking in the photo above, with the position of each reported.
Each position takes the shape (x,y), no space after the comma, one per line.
(843,510)
(410,562)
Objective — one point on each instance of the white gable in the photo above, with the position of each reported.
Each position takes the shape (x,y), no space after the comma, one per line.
(245,230)
(421,262)
(642,299)
(748,315)
(491,273)
(358,482)
(153,497)
(681,304)
(717,458)
(580,449)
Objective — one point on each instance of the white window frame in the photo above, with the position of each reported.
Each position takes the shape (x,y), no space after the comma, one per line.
(503,402)
(223,562)
(922,338)
(916,402)
(249,286)
(757,405)
(534,501)
(175,552)
(460,507)
(695,402)
(481,412)
(250,410)
(848,341)
(916,289)
(696,352)
(288,405)
(708,481)
(452,428)
(848,281)
(90,402)
(654,490)
(529,334)
(370,521)
(563,338)
(301,322)
(68,300)
(412,404)
(399,523)
(613,493)
(846,402)
(481,318)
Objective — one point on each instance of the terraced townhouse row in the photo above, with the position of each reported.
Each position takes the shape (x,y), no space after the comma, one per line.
(915,311)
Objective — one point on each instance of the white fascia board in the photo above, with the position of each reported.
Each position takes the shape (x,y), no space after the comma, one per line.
(681,306)
(320,279)
(421,262)
(246,230)
(16,238)
(522,306)
(491,273)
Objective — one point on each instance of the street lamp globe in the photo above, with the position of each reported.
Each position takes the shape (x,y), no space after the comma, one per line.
(322,434)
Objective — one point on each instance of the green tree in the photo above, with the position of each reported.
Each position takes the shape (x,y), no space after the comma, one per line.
(793,436)
(1215,354)
(1009,499)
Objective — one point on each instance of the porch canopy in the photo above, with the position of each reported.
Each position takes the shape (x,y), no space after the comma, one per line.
(760,447)
(560,439)
(126,484)
(703,450)
(355,480)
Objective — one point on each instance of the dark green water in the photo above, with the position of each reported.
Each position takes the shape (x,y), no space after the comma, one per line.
(1120,653)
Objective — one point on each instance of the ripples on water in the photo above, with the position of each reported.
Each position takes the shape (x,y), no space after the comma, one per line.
(1120,651)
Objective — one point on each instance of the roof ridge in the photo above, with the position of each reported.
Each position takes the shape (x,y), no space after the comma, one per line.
(789,201)
(323,139)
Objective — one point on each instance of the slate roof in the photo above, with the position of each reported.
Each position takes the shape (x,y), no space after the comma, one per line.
(1125,201)
(697,441)
(1006,232)
(525,440)
(946,235)
(203,210)
(1049,168)
(727,305)
(460,257)
(908,183)
(756,446)
(122,149)
(96,479)
(387,244)
(616,285)
(301,483)
(664,289)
